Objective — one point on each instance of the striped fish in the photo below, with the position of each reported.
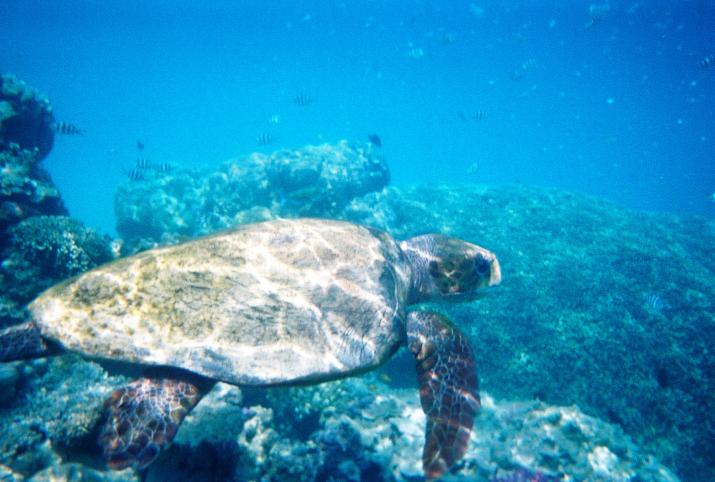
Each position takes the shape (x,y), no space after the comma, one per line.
(143,163)
(135,175)
(597,11)
(264,139)
(415,53)
(524,67)
(68,129)
(473,116)
(163,167)
(707,62)
(302,100)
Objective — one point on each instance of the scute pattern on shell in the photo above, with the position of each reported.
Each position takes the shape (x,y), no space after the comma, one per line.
(274,302)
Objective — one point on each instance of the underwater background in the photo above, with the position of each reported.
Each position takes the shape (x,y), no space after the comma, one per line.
(574,139)
(605,97)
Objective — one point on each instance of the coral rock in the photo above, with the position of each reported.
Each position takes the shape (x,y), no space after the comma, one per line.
(43,250)
(315,181)
(25,117)
(25,188)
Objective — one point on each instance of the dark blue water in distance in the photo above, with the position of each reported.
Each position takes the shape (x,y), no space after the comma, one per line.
(618,107)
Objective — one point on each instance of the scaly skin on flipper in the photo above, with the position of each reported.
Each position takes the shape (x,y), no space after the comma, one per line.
(20,342)
(447,376)
(143,419)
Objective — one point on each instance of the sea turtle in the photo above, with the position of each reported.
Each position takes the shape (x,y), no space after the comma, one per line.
(273,303)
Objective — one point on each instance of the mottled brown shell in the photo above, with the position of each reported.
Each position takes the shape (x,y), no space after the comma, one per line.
(274,302)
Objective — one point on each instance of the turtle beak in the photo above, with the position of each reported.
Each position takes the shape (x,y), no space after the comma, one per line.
(495,272)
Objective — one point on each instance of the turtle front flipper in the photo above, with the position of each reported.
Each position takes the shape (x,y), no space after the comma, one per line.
(21,341)
(447,375)
(143,418)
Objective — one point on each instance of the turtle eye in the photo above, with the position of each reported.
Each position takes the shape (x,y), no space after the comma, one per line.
(482,265)
(434,269)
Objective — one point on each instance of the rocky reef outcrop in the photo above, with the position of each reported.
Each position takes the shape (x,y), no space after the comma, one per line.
(39,245)
(47,406)
(42,250)
(354,430)
(25,117)
(25,188)
(312,181)
(26,137)
(58,403)
(606,308)
(364,429)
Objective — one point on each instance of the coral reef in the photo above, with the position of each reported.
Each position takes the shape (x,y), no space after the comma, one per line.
(42,250)
(25,188)
(358,429)
(25,117)
(58,403)
(363,429)
(591,292)
(312,181)
(589,286)
(9,376)
(26,192)
(524,475)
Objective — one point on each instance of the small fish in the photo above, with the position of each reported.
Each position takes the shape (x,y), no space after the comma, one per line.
(415,53)
(68,129)
(302,100)
(707,62)
(135,175)
(163,167)
(143,163)
(473,116)
(596,11)
(524,67)
(448,38)
(528,64)
(473,168)
(140,146)
(264,139)
(375,140)
(274,120)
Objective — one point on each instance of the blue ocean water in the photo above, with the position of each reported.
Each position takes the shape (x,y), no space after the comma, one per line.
(603,97)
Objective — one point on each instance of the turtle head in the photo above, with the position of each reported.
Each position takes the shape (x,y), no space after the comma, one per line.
(449,268)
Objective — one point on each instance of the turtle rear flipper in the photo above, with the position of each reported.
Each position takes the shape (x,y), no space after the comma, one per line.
(447,375)
(20,342)
(143,419)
